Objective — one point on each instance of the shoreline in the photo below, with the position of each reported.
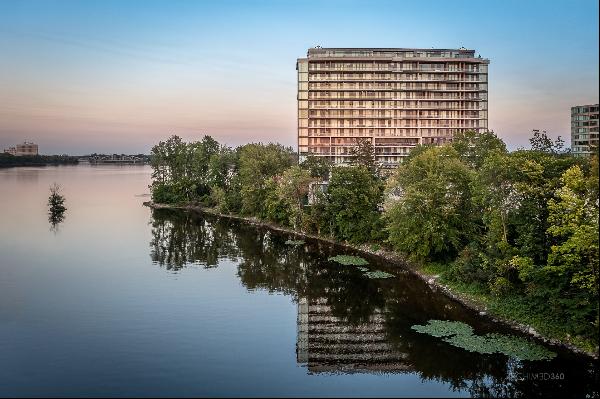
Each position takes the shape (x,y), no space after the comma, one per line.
(399,261)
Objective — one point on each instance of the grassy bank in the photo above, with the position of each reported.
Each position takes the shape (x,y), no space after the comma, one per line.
(513,309)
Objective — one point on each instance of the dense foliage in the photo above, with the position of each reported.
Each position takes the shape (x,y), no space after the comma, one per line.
(432,215)
(519,226)
(352,209)
(265,181)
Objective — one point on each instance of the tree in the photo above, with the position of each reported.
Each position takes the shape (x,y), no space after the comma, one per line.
(293,191)
(536,177)
(56,206)
(542,143)
(276,208)
(363,154)
(565,287)
(574,224)
(257,163)
(433,216)
(416,151)
(169,162)
(166,160)
(318,167)
(199,154)
(496,193)
(473,147)
(56,201)
(353,199)
(222,165)
(315,217)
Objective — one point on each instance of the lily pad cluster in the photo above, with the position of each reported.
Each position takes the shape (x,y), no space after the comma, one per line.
(378,274)
(295,243)
(461,335)
(443,328)
(348,260)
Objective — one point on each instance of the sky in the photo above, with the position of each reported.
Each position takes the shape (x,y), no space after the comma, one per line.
(78,77)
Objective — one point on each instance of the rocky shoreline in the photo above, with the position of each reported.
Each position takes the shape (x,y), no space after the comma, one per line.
(398,261)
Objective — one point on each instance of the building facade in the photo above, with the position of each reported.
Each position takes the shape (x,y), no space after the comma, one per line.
(396,98)
(584,129)
(23,149)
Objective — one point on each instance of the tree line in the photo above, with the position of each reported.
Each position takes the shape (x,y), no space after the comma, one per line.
(8,160)
(519,228)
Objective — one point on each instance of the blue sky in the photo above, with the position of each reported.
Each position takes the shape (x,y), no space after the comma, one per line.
(83,76)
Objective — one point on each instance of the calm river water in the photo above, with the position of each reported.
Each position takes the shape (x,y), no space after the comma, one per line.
(120,300)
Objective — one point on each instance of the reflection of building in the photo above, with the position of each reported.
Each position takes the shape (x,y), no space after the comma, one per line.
(23,149)
(326,343)
(584,129)
(395,97)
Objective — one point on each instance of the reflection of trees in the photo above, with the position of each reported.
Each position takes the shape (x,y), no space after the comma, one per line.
(352,297)
(267,263)
(357,303)
(55,219)
(182,238)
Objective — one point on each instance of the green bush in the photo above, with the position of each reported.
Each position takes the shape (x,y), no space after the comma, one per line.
(470,266)
(277,208)
(353,200)
(167,194)
(501,286)
(218,199)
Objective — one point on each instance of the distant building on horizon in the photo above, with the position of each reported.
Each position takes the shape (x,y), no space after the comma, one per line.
(26,148)
(116,159)
(584,129)
(395,97)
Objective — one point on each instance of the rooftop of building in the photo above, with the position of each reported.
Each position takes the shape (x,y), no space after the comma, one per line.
(585,106)
(339,52)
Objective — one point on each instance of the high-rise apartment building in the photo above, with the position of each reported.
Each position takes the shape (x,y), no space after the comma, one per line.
(584,129)
(397,98)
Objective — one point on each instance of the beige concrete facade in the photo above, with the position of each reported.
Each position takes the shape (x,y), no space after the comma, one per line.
(584,129)
(25,148)
(397,98)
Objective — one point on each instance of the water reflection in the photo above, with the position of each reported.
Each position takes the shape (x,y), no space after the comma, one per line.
(348,323)
(55,219)
(327,343)
(26,175)
(180,239)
